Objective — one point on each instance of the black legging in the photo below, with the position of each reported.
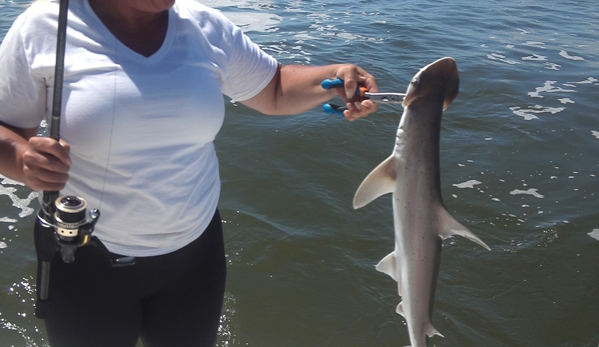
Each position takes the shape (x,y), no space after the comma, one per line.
(168,300)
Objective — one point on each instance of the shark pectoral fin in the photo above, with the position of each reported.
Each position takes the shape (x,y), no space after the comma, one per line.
(431,331)
(399,309)
(389,266)
(450,226)
(379,182)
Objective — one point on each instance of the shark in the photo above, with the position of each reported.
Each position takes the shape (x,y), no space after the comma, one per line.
(420,218)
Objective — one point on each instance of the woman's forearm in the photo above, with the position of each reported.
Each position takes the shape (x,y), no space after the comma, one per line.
(296,89)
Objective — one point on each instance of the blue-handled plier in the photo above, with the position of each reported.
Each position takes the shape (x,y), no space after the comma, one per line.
(361,93)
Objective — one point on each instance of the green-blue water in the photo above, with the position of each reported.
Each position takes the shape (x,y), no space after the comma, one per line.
(519,160)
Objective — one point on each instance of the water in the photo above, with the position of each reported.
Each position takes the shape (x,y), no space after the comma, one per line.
(519,160)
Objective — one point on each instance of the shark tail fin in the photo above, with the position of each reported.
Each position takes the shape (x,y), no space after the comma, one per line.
(379,182)
(450,226)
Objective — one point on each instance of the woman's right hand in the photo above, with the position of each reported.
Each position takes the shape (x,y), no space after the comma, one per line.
(46,163)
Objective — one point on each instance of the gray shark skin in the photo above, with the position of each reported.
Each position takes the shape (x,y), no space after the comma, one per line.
(412,174)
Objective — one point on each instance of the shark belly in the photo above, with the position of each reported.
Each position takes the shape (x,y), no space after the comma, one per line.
(418,243)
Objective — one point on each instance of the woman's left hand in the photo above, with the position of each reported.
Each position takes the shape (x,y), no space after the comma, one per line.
(353,76)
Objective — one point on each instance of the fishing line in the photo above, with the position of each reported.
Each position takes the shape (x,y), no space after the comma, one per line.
(109,153)
(496,130)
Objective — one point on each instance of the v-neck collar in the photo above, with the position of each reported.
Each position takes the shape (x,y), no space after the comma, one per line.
(121,47)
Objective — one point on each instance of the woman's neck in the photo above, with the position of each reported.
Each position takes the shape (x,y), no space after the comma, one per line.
(142,29)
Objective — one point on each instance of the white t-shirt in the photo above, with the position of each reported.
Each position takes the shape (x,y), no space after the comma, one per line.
(141,129)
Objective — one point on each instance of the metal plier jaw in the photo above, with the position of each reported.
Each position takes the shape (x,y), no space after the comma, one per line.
(361,94)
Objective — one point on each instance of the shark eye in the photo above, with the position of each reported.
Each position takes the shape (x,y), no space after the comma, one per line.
(414,83)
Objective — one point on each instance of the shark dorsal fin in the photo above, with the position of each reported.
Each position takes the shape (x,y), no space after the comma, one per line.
(379,182)
(389,266)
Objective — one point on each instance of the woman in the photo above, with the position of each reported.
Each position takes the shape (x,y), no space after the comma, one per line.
(143,102)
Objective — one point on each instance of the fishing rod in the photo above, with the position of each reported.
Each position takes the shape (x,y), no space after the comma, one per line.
(62,224)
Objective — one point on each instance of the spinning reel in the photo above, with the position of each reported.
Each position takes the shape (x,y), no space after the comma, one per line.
(73,228)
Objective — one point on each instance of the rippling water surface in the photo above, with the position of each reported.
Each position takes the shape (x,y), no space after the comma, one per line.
(519,160)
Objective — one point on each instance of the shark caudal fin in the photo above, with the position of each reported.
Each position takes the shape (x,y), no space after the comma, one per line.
(450,226)
(379,182)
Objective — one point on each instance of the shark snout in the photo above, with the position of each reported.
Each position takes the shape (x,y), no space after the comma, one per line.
(438,79)
(448,70)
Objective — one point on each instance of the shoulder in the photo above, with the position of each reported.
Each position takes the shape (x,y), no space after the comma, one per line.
(195,8)
(39,18)
(39,12)
(35,28)
(201,14)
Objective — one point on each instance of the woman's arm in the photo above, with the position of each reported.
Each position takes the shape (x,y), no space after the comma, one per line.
(39,162)
(296,88)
